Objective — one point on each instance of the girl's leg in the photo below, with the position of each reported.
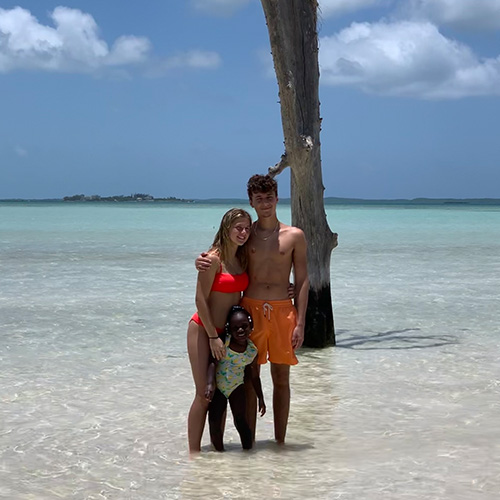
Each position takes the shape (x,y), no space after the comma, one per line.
(199,351)
(251,404)
(237,400)
(216,412)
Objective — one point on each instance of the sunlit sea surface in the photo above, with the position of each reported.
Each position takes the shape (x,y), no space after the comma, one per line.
(95,382)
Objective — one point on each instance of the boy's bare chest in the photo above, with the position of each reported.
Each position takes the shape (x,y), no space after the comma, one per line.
(279,250)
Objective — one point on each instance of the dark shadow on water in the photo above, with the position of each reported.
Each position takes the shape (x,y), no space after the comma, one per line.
(402,339)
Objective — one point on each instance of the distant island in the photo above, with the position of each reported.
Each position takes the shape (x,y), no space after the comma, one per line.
(138,197)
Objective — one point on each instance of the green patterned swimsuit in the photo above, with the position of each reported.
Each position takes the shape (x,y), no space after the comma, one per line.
(231,369)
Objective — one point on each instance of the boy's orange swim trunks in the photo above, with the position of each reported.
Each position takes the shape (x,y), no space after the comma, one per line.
(273,325)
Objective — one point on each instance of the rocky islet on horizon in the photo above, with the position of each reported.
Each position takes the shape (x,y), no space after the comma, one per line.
(139,197)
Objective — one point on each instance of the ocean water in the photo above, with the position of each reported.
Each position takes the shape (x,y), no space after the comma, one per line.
(95,382)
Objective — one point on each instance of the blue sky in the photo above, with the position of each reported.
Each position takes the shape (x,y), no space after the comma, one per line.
(179,98)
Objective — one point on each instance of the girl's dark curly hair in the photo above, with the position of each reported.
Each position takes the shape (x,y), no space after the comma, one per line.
(231,313)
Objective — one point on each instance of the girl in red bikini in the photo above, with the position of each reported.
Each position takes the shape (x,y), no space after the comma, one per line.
(217,290)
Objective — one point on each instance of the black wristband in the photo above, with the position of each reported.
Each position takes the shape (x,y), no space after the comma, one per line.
(212,338)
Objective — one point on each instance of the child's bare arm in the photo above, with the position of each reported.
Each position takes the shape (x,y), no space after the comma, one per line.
(257,385)
(210,389)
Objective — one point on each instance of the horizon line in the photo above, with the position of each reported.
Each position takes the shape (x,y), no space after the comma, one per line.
(173,199)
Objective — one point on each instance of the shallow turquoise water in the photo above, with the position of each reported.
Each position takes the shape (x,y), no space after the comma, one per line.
(95,383)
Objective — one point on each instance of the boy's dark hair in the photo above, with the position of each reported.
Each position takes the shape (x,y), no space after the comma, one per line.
(231,313)
(261,184)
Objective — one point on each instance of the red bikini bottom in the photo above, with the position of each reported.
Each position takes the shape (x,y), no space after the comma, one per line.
(198,321)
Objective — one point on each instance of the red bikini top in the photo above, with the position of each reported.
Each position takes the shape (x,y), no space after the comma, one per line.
(230,283)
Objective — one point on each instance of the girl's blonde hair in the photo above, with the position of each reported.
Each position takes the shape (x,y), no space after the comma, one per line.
(221,240)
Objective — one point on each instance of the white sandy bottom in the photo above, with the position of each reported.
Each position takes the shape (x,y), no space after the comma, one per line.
(374,421)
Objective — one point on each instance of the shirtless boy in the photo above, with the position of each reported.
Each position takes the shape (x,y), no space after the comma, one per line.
(274,249)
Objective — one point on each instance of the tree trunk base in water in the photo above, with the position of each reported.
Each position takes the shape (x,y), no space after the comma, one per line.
(320,329)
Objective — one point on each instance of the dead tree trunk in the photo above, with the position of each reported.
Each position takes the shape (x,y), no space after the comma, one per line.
(292,26)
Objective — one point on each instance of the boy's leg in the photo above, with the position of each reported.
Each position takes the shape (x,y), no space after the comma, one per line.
(282,356)
(281,399)
(216,411)
(237,400)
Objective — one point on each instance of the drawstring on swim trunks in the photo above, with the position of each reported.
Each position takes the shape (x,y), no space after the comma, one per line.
(267,308)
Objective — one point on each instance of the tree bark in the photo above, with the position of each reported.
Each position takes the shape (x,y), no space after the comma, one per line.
(292,26)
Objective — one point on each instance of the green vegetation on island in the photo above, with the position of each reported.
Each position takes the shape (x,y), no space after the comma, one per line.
(136,197)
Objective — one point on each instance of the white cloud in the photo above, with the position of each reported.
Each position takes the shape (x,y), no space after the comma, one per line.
(128,50)
(462,14)
(406,59)
(72,45)
(327,7)
(191,59)
(200,59)
(220,7)
(339,7)
(20,151)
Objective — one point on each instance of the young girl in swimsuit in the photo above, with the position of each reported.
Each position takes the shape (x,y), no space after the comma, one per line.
(226,379)
(217,289)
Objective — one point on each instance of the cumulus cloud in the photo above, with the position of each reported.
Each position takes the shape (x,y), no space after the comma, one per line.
(327,7)
(219,7)
(339,7)
(406,59)
(72,45)
(461,14)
